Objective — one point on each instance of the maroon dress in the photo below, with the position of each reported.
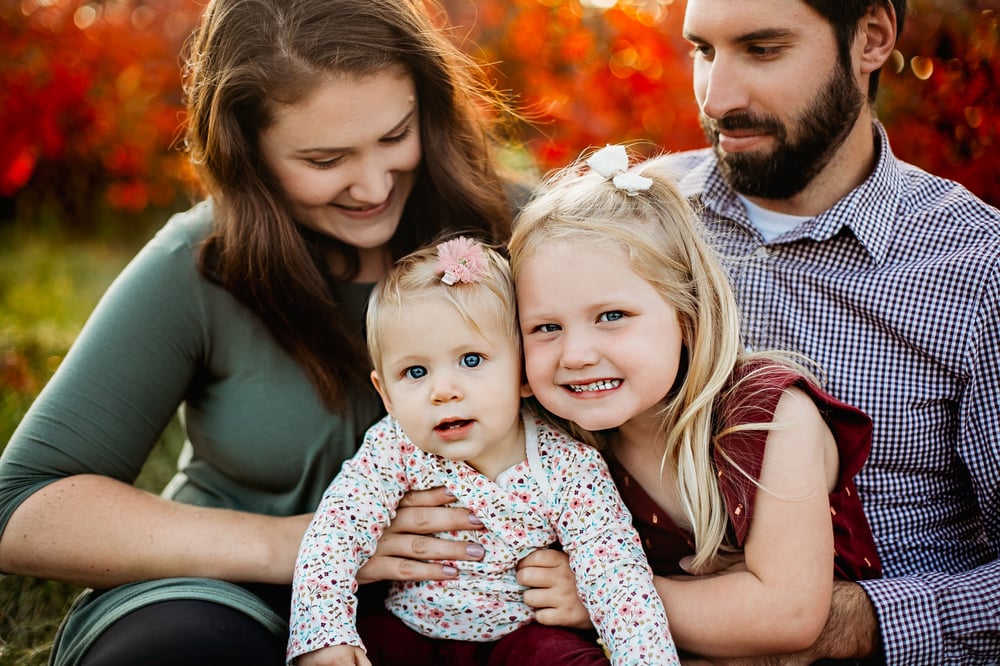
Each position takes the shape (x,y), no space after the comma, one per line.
(855,557)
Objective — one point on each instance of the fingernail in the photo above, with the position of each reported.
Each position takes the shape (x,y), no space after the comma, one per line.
(474,519)
(449,570)
(475,550)
(449,492)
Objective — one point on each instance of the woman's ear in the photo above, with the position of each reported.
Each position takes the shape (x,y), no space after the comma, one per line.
(877,37)
(381,391)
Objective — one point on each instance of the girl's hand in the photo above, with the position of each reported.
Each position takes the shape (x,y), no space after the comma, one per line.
(553,594)
(405,552)
(335,655)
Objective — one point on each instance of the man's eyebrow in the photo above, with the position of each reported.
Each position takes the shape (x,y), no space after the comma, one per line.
(761,35)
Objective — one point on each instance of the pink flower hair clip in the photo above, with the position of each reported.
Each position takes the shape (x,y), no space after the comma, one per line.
(611,162)
(461,260)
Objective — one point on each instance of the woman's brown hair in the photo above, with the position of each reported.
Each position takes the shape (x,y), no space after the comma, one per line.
(250,56)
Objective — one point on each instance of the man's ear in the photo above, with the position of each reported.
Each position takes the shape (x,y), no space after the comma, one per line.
(877,37)
(381,391)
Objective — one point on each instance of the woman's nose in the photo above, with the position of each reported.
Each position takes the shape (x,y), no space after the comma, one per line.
(372,182)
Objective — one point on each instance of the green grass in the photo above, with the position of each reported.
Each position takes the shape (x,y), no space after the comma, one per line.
(48,287)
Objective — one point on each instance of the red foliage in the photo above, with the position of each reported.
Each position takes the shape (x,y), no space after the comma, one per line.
(941,103)
(91,101)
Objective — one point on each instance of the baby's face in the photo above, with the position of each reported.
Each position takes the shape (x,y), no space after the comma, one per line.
(455,392)
(601,346)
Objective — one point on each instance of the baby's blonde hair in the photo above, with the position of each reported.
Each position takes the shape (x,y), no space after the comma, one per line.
(417,275)
(665,243)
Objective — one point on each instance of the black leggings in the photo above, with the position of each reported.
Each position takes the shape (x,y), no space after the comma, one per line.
(191,633)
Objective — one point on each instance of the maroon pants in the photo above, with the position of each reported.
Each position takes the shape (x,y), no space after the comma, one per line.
(392,643)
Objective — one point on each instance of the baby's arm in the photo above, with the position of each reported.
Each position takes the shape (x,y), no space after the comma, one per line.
(612,574)
(336,655)
(780,601)
(343,534)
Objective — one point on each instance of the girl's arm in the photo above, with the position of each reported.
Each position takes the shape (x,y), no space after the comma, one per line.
(780,602)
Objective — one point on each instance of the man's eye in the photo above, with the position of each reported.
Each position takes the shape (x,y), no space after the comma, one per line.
(471,360)
(415,372)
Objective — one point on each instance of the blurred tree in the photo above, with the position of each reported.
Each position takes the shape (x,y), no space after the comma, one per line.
(91,102)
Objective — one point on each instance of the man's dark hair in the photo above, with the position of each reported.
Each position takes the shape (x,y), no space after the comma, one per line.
(844,15)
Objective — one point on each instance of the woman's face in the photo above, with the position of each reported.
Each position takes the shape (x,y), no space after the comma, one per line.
(347,157)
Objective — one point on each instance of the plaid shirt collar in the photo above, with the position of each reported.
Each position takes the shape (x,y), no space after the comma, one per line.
(869,210)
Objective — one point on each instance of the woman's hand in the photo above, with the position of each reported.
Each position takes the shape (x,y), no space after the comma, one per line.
(406,552)
(553,594)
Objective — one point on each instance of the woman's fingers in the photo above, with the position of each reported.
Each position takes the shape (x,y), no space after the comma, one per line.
(408,551)
(422,519)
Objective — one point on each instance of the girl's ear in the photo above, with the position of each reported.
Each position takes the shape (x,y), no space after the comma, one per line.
(877,36)
(381,391)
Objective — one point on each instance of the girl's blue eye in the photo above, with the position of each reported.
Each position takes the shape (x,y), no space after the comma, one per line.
(614,315)
(471,360)
(415,372)
(547,328)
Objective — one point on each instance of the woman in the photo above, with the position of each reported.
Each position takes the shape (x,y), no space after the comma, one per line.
(333,137)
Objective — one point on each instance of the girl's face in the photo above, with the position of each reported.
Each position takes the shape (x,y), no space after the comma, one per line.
(455,392)
(347,157)
(601,347)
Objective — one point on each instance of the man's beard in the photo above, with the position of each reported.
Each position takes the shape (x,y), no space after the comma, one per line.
(818,133)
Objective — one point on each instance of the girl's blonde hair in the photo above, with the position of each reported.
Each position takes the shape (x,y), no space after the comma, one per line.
(665,242)
(417,275)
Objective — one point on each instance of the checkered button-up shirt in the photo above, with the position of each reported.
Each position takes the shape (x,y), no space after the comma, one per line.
(895,294)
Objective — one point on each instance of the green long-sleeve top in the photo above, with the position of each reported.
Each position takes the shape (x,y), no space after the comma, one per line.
(163,336)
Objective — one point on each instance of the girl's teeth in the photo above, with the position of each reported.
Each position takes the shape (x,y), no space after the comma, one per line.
(602,385)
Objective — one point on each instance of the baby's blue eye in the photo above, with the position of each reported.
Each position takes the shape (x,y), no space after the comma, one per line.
(415,372)
(472,360)
(614,315)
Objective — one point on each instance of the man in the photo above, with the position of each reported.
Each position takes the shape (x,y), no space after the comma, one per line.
(886,277)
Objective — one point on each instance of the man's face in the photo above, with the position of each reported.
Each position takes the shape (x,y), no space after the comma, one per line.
(776,101)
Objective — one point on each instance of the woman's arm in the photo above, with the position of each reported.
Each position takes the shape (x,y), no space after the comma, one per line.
(95,531)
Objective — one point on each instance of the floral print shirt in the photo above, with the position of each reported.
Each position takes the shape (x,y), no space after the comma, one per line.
(561,493)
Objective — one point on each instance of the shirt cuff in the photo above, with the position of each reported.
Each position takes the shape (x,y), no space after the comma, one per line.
(908,621)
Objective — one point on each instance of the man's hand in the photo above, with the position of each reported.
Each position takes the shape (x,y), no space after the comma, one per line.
(406,552)
(553,594)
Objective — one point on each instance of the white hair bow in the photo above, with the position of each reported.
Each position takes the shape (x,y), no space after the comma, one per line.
(612,162)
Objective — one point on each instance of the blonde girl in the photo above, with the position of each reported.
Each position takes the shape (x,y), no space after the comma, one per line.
(632,337)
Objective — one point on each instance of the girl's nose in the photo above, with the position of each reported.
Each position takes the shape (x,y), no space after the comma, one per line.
(578,352)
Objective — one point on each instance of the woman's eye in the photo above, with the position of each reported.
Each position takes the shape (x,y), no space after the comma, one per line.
(324,164)
(415,372)
(399,138)
(614,315)
(471,360)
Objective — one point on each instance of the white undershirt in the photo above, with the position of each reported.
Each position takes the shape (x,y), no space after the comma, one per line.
(769,223)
